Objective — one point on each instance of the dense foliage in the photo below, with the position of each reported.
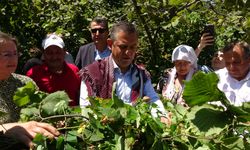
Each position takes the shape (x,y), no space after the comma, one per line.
(163,24)
(111,124)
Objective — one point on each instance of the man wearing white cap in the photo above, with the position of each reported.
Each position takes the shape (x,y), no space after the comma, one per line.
(55,74)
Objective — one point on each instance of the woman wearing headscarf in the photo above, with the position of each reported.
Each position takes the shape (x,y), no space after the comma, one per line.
(185,65)
(9,82)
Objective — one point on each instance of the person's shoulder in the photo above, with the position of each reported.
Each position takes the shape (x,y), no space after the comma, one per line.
(222,74)
(221,71)
(35,69)
(97,63)
(142,68)
(87,45)
(72,66)
(22,78)
(38,67)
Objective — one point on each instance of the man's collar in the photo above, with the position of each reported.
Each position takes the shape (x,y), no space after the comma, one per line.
(116,67)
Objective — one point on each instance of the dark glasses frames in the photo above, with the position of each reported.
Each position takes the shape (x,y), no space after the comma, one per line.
(99,29)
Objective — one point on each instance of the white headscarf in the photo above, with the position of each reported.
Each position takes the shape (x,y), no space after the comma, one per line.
(181,52)
(185,52)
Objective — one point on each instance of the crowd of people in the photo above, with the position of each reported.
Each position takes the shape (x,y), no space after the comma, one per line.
(108,63)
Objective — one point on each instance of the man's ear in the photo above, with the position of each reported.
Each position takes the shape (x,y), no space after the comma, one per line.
(65,51)
(109,42)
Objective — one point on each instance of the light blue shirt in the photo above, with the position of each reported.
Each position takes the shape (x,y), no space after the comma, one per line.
(100,55)
(124,86)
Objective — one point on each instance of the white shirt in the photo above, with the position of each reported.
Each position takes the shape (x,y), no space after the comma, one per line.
(236,91)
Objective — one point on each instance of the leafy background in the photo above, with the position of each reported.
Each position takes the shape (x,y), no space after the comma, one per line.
(163,24)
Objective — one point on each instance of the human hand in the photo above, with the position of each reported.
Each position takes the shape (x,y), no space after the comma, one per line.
(25,132)
(167,119)
(206,39)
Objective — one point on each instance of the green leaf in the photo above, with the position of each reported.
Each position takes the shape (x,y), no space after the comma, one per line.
(181,109)
(117,102)
(246,106)
(69,147)
(202,88)
(22,95)
(55,103)
(71,137)
(208,119)
(176,2)
(237,110)
(29,114)
(96,136)
(60,142)
(129,142)
(234,143)
(119,143)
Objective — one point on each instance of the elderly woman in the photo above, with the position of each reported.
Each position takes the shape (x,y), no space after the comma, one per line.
(185,65)
(9,82)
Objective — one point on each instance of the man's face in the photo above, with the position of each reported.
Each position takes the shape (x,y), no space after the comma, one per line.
(182,67)
(98,32)
(54,56)
(124,49)
(236,64)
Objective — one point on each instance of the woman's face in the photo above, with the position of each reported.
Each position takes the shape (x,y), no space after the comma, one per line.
(8,59)
(218,61)
(182,67)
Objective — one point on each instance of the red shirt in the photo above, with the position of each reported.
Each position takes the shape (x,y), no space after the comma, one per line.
(68,81)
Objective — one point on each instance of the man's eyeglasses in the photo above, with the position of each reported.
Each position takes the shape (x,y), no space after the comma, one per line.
(101,30)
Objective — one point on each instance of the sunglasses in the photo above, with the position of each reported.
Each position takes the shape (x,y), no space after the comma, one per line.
(101,30)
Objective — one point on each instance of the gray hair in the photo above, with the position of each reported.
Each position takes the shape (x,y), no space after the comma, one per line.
(6,37)
(122,26)
(242,45)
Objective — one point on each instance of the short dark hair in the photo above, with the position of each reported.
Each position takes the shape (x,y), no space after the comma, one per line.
(124,26)
(241,44)
(7,37)
(100,19)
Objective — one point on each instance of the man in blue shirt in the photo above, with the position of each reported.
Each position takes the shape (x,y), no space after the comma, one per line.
(131,81)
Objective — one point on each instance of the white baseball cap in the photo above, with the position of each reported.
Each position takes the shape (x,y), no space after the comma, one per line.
(53,39)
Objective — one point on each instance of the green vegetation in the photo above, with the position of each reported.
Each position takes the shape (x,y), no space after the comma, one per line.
(111,124)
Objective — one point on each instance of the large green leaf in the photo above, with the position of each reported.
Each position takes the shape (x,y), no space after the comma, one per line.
(55,103)
(202,88)
(208,119)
